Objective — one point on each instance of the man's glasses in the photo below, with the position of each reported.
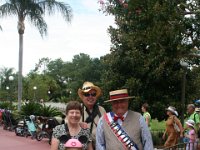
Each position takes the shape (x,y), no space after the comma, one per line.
(90,94)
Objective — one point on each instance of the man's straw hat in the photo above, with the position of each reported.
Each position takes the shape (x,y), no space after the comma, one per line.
(119,95)
(87,86)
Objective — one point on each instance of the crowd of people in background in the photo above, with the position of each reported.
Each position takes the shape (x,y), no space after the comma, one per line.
(185,133)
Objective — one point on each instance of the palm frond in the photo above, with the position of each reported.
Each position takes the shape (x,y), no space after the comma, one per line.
(8,9)
(52,6)
(38,21)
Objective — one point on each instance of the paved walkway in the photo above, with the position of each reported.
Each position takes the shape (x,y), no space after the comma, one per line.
(9,141)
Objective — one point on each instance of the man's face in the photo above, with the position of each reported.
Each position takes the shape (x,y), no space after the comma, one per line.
(89,99)
(120,107)
(190,110)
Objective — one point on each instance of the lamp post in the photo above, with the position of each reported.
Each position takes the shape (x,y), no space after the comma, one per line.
(184,65)
(11,78)
(34,96)
(7,88)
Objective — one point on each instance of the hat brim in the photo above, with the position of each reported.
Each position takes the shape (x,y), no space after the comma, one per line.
(170,110)
(96,88)
(189,124)
(111,100)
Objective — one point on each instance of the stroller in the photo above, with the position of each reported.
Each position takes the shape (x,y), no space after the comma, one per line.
(47,129)
(26,127)
(9,123)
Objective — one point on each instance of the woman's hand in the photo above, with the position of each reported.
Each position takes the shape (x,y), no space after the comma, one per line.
(163,137)
(181,135)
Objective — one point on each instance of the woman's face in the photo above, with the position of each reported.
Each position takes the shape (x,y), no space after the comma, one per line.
(74,116)
(169,113)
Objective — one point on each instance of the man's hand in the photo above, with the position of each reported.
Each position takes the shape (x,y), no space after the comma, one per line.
(83,125)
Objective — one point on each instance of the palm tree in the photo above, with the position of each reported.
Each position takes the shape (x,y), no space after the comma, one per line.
(34,11)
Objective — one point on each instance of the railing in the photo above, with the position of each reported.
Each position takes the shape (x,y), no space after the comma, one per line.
(185,146)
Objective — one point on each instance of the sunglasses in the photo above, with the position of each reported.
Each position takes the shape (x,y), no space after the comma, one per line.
(89,94)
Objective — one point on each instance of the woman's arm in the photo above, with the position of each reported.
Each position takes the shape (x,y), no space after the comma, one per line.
(54,144)
(177,121)
(147,120)
(90,146)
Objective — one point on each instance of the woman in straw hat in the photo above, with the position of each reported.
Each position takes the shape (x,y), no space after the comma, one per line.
(89,94)
(170,131)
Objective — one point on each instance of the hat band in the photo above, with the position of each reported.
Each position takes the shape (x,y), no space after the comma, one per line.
(124,95)
(86,88)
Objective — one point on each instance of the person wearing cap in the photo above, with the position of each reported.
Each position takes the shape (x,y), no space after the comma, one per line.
(193,116)
(89,94)
(190,135)
(170,131)
(122,128)
(73,144)
(71,129)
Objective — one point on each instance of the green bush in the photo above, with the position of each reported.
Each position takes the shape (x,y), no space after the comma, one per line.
(38,109)
(7,105)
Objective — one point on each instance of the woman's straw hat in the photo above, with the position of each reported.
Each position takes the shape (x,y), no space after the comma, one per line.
(172,109)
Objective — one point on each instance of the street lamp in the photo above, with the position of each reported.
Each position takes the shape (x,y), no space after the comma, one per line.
(34,88)
(11,78)
(185,65)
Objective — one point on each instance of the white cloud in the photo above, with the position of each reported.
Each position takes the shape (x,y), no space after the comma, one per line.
(87,33)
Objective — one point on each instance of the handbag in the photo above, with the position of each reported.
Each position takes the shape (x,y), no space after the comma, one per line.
(177,129)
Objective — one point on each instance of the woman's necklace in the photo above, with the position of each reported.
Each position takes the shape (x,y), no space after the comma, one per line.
(74,130)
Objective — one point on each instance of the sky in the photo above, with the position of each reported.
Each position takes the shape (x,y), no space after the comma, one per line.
(87,33)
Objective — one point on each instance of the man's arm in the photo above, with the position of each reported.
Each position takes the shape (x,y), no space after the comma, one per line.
(145,135)
(100,139)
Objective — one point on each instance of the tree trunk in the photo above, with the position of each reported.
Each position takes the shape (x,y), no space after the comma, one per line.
(20,71)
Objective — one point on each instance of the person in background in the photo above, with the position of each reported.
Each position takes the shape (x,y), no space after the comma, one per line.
(72,129)
(190,135)
(122,128)
(193,115)
(172,134)
(89,94)
(146,114)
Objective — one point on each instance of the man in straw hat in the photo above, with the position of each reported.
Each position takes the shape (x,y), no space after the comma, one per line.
(89,93)
(122,128)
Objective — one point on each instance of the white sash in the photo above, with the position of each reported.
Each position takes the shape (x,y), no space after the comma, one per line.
(121,135)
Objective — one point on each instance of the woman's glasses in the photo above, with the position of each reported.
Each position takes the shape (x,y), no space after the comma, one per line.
(89,94)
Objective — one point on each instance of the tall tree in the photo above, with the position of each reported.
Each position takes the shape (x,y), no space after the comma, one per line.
(34,11)
(148,43)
